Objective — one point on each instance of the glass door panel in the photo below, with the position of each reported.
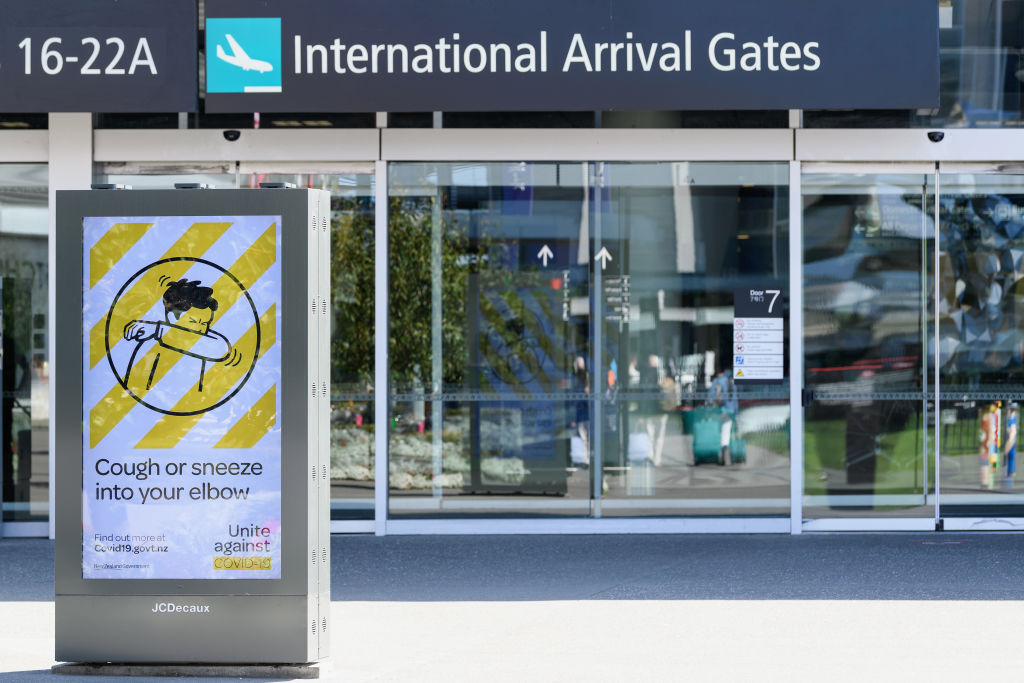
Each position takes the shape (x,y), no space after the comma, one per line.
(24,359)
(352,303)
(490,377)
(866,251)
(673,242)
(353,470)
(981,343)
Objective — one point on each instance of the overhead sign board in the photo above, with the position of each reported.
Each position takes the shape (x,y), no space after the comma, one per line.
(98,56)
(454,55)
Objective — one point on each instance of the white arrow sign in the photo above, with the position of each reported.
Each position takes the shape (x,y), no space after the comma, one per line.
(544,254)
(604,257)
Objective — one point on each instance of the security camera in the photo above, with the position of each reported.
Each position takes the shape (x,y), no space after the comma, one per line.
(232,135)
(936,135)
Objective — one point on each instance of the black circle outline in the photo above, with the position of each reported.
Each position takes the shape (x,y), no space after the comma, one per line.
(117,297)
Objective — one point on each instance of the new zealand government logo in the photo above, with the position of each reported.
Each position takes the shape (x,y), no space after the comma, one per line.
(199,364)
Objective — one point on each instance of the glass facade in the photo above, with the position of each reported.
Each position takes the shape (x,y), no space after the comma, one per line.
(885,434)
(24,359)
(574,355)
(561,341)
(562,346)
(352,330)
(867,253)
(678,435)
(353,469)
(489,325)
(980,343)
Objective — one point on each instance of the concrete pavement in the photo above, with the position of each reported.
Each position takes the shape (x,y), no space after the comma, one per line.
(841,607)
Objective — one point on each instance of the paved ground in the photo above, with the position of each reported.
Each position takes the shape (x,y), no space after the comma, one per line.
(908,607)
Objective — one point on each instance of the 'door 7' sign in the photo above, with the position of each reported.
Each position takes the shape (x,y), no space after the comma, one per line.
(758,335)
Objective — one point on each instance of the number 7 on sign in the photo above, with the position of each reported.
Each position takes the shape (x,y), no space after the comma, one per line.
(775,295)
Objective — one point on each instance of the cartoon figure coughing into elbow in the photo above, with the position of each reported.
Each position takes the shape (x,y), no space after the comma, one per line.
(184,333)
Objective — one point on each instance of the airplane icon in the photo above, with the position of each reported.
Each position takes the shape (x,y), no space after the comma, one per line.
(239,58)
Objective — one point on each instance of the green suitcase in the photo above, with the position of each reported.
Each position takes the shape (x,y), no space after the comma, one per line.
(707,440)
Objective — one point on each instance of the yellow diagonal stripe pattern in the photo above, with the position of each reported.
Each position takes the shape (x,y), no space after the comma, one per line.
(254,424)
(248,269)
(170,429)
(112,408)
(112,246)
(147,290)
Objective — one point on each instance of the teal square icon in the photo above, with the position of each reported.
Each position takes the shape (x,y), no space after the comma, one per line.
(243,55)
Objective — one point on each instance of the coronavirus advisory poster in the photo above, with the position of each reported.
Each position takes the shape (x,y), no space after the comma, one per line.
(182,446)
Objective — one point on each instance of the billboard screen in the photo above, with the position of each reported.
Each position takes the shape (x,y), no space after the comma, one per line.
(181,471)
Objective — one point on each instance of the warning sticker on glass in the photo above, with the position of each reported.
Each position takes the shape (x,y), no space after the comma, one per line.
(758,329)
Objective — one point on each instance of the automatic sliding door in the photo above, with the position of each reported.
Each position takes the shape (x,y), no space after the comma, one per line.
(981,347)
(490,374)
(867,249)
(673,243)
(562,340)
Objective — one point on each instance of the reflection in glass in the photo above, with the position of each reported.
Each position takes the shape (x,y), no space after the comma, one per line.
(678,435)
(352,323)
(163,178)
(489,339)
(521,369)
(866,254)
(981,73)
(353,469)
(24,359)
(981,342)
